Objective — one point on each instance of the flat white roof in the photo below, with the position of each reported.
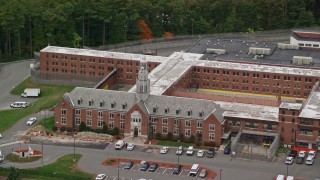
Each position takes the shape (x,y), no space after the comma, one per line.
(249,111)
(295,106)
(312,107)
(105,54)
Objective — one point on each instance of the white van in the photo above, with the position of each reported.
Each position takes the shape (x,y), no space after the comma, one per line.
(1,157)
(194,170)
(280,177)
(19,105)
(119,145)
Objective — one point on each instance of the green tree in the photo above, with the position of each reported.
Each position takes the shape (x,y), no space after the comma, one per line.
(13,174)
(82,127)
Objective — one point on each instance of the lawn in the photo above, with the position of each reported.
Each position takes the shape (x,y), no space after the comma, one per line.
(15,158)
(63,168)
(173,143)
(48,123)
(50,96)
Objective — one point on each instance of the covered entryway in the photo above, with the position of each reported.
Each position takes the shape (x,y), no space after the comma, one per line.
(135,132)
(135,127)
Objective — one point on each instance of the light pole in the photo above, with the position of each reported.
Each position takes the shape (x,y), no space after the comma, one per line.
(118,168)
(74,148)
(178,151)
(42,152)
(220,173)
(287,170)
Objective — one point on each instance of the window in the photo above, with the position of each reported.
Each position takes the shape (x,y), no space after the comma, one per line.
(234,123)
(100,114)
(77,121)
(176,122)
(164,130)
(166,110)
(122,125)
(153,128)
(307,132)
(89,113)
(78,112)
(199,125)
(154,110)
(111,115)
(111,124)
(190,112)
(211,136)
(187,123)
(63,112)
(187,132)
(251,125)
(89,122)
(122,116)
(211,127)
(63,121)
(124,106)
(177,111)
(176,131)
(100,122)
(153,119)
(164,121)
(199,131)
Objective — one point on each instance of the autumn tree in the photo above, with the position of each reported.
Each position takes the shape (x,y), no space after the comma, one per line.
(145,30)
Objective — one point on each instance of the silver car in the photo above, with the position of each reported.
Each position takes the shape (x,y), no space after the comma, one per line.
(203,173)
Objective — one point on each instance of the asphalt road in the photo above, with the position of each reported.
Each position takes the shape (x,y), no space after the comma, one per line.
(11,74)
(231,169)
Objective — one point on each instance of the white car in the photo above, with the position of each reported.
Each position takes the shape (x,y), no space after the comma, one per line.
(179,150)
(289,160)
(200,153)
(164,150)
(310,154)
(309,160)
(100,177)
(0,135)
(130,147)
(31,121)
(302,154)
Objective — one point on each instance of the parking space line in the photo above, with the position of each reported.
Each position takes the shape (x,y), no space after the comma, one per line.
(114,178)
(164,171)
(180,172)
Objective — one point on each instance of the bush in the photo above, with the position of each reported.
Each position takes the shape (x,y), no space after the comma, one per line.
(198,144)
(158,136)
(169,136)
(104,128)
(191,139)
(54,128)
(116,131)
(98,130)
(118,137)
(69,129)
(63,129)
(181,137)
(82,127)
(210,143)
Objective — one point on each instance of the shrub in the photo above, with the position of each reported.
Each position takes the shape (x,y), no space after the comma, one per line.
(210,143)
(104,128)
(191,139)
(63,129)
(69,129)
(98,130)
(158,136)
(198,144)
(169,136)
(181,137)
(118,137)
(54,128)
(82,127)
(116,131)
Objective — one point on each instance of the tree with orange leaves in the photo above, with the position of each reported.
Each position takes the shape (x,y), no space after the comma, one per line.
(145,30)
(168,35)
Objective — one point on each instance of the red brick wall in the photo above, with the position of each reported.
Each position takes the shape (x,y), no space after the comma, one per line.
(218,129)
(70,114)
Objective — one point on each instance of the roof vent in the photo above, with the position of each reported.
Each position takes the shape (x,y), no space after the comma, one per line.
(302,60)
(260,51)
(287,46)
(216,51)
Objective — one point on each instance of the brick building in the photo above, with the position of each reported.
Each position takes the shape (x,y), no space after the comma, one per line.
(173,94)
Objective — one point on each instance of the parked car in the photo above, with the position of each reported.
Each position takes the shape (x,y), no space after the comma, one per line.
(128,165)
(31,121)
(177,169)
(293,153)
(179,150)
(190,151)
(310,154)
(144,166)
(302,154)
(100,177)
(0,135)
(130,147)
(203,173)
(299,160)
(227,150)
(200,153)
(153,167)
(309,160)
(164,150)
(289,160)
(210,153)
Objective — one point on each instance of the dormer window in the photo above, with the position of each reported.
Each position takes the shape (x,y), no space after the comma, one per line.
(124,106)
(154,110)
(189,112)
(79,101)
(91,102)
(101,103)
(113,104)
(178,111)
(166,110)
(201,113)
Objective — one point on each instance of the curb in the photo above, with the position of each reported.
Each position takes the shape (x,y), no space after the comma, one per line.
(12,62)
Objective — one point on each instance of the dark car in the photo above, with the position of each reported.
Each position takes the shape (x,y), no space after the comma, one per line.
(293,153)
(299,160)
(144,166)
(177,169)
(128,165)
(227,150)
(153,167)
(210,153)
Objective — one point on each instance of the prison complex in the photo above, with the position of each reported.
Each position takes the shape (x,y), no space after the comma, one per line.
(217,88)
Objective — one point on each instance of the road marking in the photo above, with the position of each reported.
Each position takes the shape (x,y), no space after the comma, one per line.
(114,178)
(9,143)
(180,172)
(164,171)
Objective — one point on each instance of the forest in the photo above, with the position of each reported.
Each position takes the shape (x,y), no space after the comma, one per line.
(30,25)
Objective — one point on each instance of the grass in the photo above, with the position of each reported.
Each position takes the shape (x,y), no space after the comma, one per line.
(15,158)
(63,168)
(48,123)
(50,96)
(173,143)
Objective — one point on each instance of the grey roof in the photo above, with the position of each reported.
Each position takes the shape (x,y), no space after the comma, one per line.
(106,97)
(197,106)
(173,104)
(237,51)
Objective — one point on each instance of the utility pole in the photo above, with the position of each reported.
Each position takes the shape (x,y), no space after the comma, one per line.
(42,152)
(118,167)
